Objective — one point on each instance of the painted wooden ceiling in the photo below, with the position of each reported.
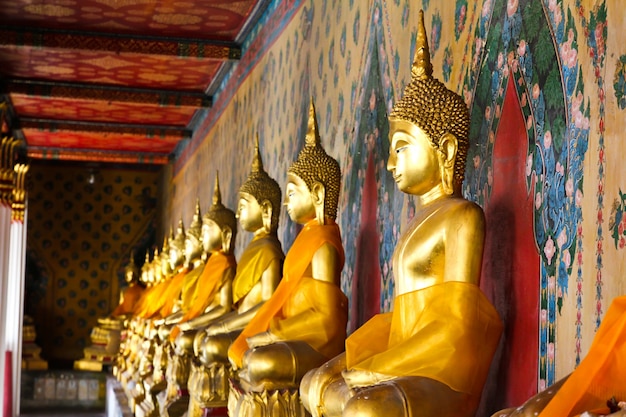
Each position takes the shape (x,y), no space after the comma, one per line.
(121,81)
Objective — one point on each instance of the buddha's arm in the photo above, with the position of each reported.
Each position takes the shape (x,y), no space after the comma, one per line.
(174,317)
(222,304)
(239,320)
(325,264)
(464,244)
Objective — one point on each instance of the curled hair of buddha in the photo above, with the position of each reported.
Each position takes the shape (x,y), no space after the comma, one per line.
(315,165)
(219,213)
(263,187)
(432,107)
(194,232)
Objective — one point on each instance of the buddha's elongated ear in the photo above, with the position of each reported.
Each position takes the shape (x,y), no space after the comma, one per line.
(227,235)
(318,194)
(266,215)
(448,146)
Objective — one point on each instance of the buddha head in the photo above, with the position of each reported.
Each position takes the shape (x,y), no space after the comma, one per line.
(193,237)
(177,247)
(428,129)
(164,258)
(259,198)
(145,275)
(156,266)
(219,225)
(313,180)
(131,272)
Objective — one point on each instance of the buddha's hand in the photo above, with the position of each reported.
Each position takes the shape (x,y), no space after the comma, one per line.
(356,378)
(217,328)
(261,339)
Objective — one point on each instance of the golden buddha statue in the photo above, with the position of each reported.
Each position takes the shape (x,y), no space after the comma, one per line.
(596,387)
(258,272)
(431,355)
(211,299)
(303,324)
(106,336)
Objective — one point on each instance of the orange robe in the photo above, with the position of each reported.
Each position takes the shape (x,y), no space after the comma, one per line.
(213,276)
(172,294)
(447,332)
(255,259)
(149,299)
(130,297)
(303,308)
(601,374)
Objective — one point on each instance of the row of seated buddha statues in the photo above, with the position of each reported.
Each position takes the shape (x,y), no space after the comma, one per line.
(271,341)
(266,345)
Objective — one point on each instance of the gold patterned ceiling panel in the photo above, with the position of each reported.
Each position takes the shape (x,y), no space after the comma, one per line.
(100,79)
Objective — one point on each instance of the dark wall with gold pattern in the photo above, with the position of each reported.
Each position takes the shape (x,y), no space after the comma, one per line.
(82,225)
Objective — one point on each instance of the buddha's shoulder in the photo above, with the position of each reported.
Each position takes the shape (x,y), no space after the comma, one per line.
(461,211)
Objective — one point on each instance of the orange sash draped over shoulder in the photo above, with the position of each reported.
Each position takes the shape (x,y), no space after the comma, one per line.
(600,375)
(130,297)
(447,332)
(213,277)
(148,303)
(312,237)
(169,297)
(255,259)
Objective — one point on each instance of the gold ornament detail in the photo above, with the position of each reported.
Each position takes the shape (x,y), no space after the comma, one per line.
(315,165)
(431,106)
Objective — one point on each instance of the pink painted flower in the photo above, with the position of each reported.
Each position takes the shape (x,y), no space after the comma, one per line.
(579,198)
(549,250)
(562,239)
(542,385)
(521,48)
(569,187)
(551,283)
(551,351)
(559,168)
(544,317)
(490,176)
(524,99)
(476,161)
(622,242)
(567,259)
(538,201)
(486,8)
(536,91)
(511,7)
(529,165)
(547,140)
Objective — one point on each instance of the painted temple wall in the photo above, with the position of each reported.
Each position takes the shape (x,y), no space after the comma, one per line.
(79,240)
(564,64)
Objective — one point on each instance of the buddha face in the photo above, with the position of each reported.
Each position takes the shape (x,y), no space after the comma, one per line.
(298,200)
(413,161)
(192,249)
(249,213)
(175,258)
(211,236)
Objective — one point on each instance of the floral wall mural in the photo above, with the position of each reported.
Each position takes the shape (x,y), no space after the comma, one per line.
(551,64)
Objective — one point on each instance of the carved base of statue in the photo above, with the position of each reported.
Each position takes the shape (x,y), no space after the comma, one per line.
(175,401)
(208,388)
(105,345)
(275,403)
(31,359)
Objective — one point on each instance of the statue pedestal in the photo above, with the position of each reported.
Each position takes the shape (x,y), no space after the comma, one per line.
(105,345)
(31,359)
(275,403)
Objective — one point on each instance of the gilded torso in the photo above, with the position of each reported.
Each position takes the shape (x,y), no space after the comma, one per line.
(439,245)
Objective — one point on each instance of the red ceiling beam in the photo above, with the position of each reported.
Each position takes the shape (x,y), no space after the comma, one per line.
(96,156)
(107,93)
(192,48)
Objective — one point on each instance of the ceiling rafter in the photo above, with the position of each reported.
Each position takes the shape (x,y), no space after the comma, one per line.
(108,93)
(189,48)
